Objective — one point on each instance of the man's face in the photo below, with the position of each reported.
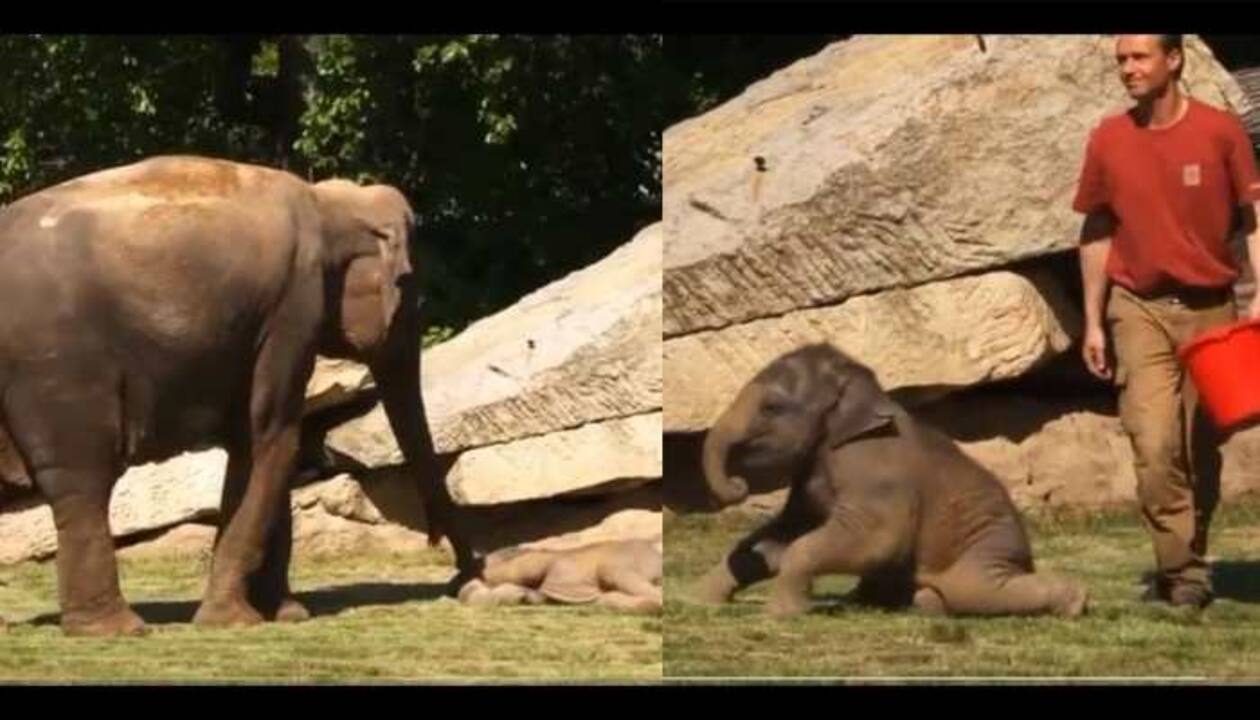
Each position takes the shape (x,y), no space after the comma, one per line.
(1145,69)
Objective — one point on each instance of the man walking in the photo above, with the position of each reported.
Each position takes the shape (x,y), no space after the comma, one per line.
(1162,187)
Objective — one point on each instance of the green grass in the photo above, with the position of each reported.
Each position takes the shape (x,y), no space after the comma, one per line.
(1120,638)
(379,617)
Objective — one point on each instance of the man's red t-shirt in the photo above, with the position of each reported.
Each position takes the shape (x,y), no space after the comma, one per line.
(1173,191)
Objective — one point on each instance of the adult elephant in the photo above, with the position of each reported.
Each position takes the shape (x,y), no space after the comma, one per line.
(874,493)
(179,302)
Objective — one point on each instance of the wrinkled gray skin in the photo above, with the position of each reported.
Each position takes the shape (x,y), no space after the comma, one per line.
(620,574)
(178,303)
(874,493)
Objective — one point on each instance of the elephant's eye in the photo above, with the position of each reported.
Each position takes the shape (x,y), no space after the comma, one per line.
(774,407)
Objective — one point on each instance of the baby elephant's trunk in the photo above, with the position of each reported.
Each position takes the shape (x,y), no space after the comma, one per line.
(729,430)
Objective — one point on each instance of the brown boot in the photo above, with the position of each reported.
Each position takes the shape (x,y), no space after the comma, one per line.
(1191,595)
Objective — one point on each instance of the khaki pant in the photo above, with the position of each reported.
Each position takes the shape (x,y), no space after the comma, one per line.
(1176,448)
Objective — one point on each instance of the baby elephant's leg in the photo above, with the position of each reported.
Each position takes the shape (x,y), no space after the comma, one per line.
(625,580)
(889,588)
(475,592)
(929,602)
(478,594)
(754,559)
(834,547)
(509,594)
(628,602)
(986,588)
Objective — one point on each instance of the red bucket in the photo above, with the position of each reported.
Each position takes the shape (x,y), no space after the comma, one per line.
(1225,366)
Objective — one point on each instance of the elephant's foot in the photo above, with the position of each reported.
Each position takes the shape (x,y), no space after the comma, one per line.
(460,581)
(717,586)
(929,602)
(476,593)
(226,613)
(118,622)
(786,603)
(1073,601)
(509,594)
(292,611)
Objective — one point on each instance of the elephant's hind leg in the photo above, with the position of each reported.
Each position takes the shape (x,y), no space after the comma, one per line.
(632,584)
(629,602)
(978,588)
(74,457)
(87,570)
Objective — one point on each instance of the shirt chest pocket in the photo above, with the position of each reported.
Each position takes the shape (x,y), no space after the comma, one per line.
(1191,175)
(1196,173)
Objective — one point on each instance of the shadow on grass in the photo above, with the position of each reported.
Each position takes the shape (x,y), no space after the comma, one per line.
(321,603)
(1239,580)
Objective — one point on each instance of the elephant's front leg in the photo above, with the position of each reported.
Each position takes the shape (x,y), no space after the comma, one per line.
(267,588)
(755,558)
(851,543)
(242,545)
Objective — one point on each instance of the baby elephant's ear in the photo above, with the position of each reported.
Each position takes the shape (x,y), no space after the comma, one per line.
(861,406)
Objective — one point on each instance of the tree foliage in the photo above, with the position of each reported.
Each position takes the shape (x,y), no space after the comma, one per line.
(524,157)
(706,70)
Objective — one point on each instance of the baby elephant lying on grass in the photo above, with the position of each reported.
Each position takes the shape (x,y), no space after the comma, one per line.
(874,493)
(622,574)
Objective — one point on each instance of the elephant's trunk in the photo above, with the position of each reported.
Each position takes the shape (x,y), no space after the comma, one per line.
(397,372)
(729,429)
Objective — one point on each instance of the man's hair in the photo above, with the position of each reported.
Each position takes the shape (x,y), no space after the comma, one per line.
(1168,43)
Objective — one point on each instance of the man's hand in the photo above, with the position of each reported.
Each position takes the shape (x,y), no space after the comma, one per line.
(1094,350)
(1253,310)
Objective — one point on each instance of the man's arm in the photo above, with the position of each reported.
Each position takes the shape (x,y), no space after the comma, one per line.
(1249,227)
(1095,247)
(1241,160)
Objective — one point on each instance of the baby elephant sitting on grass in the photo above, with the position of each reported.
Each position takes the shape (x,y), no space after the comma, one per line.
(874,493)
(623,574)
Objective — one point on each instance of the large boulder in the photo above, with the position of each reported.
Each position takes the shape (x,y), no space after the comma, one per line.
(336,382)
(558,393)
(146,498)
(887,161)
(952,333)
(1053,452)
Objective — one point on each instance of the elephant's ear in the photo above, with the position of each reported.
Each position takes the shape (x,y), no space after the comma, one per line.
(391,243)
(368,229)
(861,407)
